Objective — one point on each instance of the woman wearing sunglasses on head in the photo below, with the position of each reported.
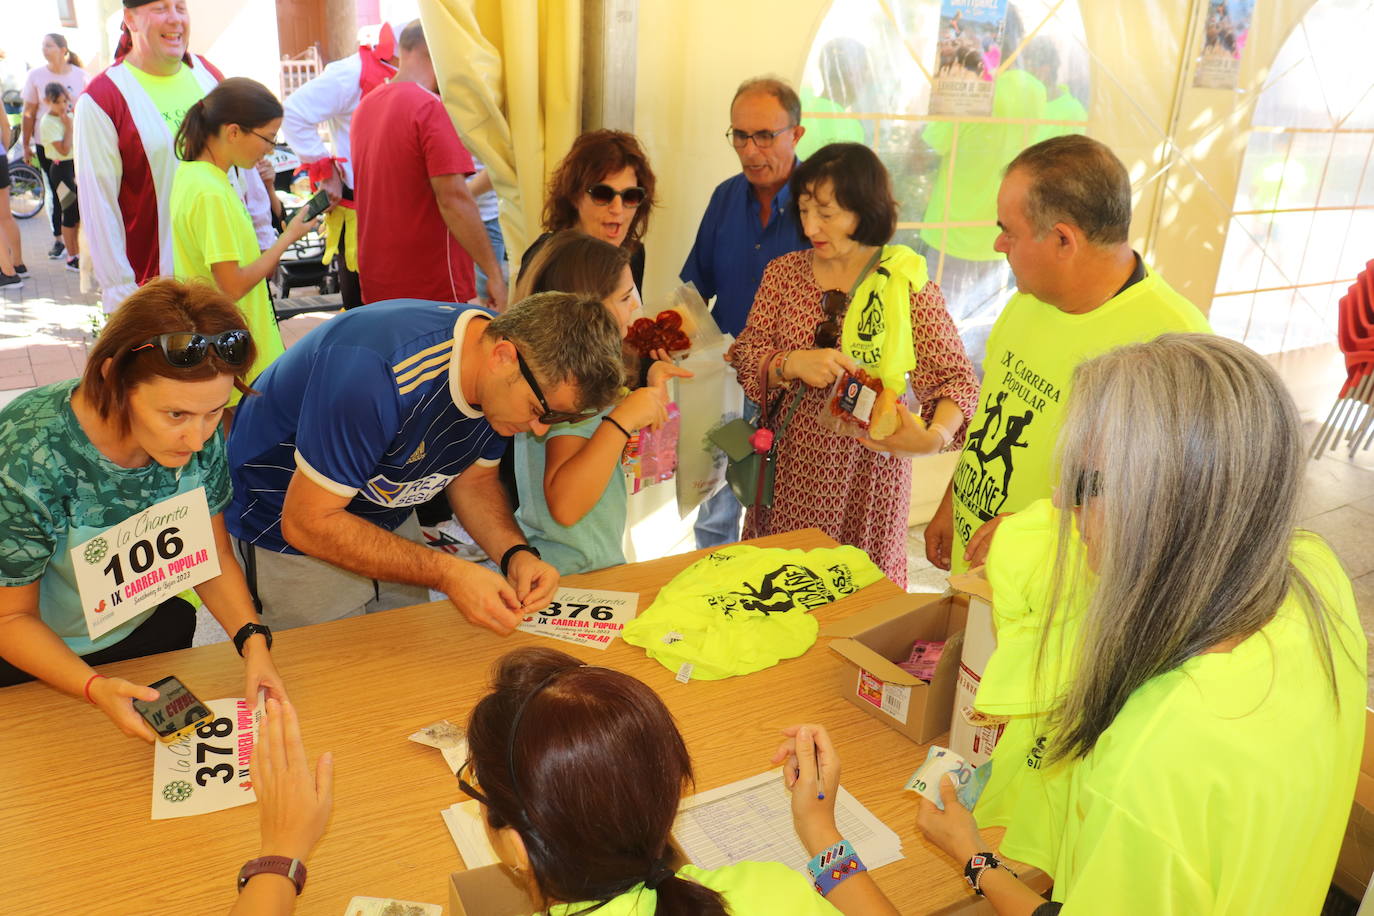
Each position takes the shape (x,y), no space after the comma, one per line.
(572,495)
(580,770)
(852,301)
(111,487)
(603,188)
(212,234)
(1184,668)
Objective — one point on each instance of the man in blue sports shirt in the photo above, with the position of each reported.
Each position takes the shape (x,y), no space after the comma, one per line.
(745,226)
(379,409)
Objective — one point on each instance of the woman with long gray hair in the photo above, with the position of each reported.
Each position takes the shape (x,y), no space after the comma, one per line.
(1182,668)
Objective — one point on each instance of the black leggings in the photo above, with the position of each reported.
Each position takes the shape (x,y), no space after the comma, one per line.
(64,172)
(172,626)
(55,207)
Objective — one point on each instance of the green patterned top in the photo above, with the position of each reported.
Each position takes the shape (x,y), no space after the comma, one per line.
(57,489)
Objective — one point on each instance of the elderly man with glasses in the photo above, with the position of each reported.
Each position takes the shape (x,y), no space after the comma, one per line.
(384,407)
(746,225)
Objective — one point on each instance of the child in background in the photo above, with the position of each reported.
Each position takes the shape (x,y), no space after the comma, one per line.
(572,497)
(55,134)
(234,126)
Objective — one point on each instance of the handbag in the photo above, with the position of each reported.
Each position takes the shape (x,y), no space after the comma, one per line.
(748,471)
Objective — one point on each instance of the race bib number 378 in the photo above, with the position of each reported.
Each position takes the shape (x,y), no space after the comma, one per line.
(144,560)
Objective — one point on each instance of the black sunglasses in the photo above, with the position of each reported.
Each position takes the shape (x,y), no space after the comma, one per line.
(185,349)
(833,302)
(763,139)
(1087,486)
(603,194)
(467,786)
(549,416)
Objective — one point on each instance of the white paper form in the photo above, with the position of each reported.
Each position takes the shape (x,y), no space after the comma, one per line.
(467,825)
(751,821)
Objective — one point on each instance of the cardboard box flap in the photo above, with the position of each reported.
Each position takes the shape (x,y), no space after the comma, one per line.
(492,890)
(1364,786)
(874,663)
(878,614)
(972,583)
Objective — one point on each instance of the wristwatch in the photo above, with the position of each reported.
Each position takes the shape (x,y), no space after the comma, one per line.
(247,630)
(274,865)
(506,558)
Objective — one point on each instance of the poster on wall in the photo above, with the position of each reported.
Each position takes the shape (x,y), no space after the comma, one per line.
(967,53)
(1224,32)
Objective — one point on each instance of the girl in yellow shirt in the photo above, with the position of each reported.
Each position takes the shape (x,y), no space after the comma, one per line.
(212,234)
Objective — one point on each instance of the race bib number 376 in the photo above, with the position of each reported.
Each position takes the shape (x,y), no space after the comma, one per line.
(144,560)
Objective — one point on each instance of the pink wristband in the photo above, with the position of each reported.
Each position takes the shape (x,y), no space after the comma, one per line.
(87,689)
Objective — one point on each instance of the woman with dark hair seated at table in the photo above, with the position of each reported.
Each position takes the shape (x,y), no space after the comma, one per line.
(139,430)
(580,770)
(805,327)
(603,188)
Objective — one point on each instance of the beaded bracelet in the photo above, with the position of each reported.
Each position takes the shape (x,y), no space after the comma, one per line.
(833,865)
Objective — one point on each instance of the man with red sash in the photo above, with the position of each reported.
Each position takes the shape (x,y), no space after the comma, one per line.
(330,98)
(126,124)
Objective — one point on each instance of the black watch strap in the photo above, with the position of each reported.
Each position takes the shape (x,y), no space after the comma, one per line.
(294,869)
(506,557)
(249,629)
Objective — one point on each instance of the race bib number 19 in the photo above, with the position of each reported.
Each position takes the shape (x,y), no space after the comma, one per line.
(144,560)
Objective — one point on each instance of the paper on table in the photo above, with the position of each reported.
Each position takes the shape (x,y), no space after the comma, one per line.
(386,906)
(588,617)
(467,826)
(206,770)
(751,820)
(448,739)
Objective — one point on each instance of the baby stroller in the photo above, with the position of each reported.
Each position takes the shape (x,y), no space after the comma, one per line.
(303,263)
(27,189)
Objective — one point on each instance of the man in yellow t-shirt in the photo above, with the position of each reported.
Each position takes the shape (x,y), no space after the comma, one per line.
(125,124)
(1064,210)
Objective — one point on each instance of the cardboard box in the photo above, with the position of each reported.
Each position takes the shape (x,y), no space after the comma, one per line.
(973,741)
(873,641)
(494,890)
(1356,860)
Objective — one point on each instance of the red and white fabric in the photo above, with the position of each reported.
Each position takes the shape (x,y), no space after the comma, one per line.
(125,162)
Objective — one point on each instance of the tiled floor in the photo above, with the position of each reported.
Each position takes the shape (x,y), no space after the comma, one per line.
(46,326)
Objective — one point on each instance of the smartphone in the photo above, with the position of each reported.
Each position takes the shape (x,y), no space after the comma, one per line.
(317,204)
(175,711)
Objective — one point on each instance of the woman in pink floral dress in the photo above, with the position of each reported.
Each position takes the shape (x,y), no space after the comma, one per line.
(857,491)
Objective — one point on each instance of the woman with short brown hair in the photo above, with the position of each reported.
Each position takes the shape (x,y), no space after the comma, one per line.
(111,488)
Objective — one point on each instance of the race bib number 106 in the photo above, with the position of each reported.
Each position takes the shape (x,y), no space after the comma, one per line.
(144,560)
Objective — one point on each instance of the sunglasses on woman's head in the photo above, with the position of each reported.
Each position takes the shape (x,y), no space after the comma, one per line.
(833,302)
(185,349)
(603,194)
